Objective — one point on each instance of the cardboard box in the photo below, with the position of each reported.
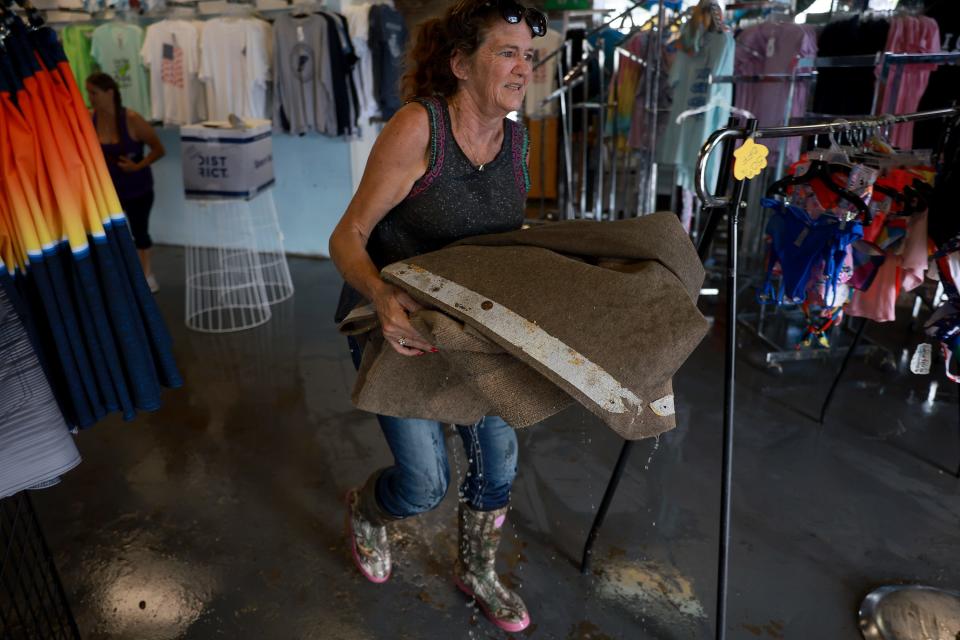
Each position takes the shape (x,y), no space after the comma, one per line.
(225,163)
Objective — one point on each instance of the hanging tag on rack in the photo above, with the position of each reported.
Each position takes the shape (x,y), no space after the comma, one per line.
(750,160)
(922,357)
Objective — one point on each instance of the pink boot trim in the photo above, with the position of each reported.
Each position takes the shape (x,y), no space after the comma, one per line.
(353,548)
(503,624)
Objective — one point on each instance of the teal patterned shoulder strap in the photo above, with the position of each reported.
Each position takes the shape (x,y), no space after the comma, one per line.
(521,152)
(437,116)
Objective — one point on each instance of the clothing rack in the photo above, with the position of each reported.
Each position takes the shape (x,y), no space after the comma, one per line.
(607,163)
(886,61)
(899,61)
(732,205)
(808,67)
(636,5)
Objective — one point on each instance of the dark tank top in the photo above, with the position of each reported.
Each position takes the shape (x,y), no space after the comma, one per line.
(128,185)
(453,200)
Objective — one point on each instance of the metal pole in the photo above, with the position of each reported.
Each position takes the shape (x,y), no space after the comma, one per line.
(608,494)
(584,128)
(787,114)
(543,169)
(654,67)
(616,135)
(723,179)
(565,97)
(645,156)
(601,113)
(843,367)
(875,106)
(733,219)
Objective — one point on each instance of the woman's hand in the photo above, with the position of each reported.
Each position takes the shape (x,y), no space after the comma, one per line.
(127,165)
(393,308)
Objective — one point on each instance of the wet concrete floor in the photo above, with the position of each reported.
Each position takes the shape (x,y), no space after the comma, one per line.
(221,515)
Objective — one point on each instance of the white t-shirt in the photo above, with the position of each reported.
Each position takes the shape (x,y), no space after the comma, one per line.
(544,79)
(235,65)
(358,19)
(171,51)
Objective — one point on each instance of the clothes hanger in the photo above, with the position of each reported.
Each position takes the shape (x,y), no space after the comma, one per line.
(35,19)
(714,103)
(823,171)
(303,8)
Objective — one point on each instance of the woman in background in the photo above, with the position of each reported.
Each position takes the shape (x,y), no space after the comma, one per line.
(122,133)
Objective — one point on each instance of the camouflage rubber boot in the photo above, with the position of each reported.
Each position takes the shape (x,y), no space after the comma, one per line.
(367,530)
(476,575)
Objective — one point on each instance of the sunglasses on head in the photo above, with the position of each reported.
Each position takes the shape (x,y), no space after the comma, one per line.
(513,12)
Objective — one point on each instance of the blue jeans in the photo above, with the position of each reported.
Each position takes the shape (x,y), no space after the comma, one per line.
(420,475)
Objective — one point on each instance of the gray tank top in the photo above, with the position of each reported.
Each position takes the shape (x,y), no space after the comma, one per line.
(453,200)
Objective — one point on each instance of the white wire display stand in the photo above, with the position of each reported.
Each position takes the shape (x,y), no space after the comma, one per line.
(236,265)
(269,243)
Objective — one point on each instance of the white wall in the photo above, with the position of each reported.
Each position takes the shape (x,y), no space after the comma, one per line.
(315,181)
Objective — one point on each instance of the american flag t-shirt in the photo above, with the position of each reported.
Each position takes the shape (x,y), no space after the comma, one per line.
(171,66)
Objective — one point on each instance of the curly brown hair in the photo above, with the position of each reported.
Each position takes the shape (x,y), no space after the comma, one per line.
(462,28)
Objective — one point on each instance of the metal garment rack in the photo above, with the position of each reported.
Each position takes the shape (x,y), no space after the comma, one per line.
(899,61)
(887,61)
(620,16)
(647,195)
(732,205)
(806,68)
(575,197)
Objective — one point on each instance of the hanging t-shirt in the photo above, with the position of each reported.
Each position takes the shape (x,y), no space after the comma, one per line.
(713,54)
(628,90)
(388,41)
(774,47)
(358,17)
(116,48)
(341,64)
(235,66)
(544,78)
(353,64)
(76,44)
(908,34)
(303,90)
(171,50)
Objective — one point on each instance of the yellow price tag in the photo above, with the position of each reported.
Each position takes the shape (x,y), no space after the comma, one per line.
(750,160)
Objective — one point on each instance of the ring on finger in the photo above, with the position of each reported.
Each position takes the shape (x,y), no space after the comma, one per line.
(402,342)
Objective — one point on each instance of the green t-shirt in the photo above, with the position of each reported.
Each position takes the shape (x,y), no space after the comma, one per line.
(116,48)
(76,44)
